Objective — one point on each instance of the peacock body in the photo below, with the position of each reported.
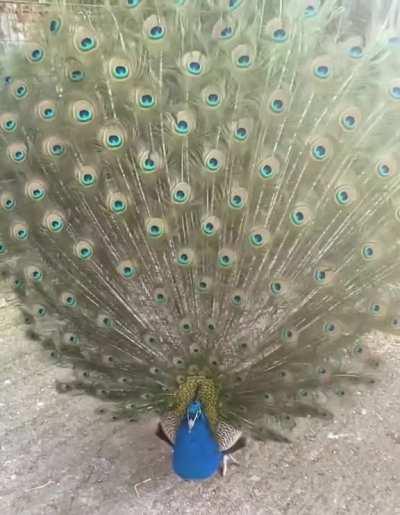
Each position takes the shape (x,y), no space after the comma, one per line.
(200,205)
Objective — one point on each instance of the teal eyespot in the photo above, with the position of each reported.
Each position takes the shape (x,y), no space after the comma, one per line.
(241,134)
(276,288)
(87,43)
(213,100)
(19,156)
(322,71)
(375,309)
(225,260)
(18,283)
(155,231)
(279,35)
(3,248)
(186,327)
(202,286)
(185,258)
(277,105)
(243,61)
(208,229)
(160,296)
(297,217)
(236,202)
(349,122)
(37,192)
(383,170)
(395,92)
(36,276)
(77,75)
(194,68)
(55,25)
(155,228)
(128,272)
(133,3)
(10,125)
(22,234)
(288,335)
(265,171)
(56,225)
(118,206)
(85,253)
(147,101)
(355,52)
(127,269)
(106,322)
(84,115)
(120,71)
(48,113)
(368,252)
(181,194)
(70,301)
(268,168)
(396,323)
(343,197)
(310,11)
(257,239)
(86,177)
(114,141)
(21,91)
(319,152)
(8,203)
(227,32)
(329,327)
(37,55)
(149,164)
(57,149)
(157,32)
(41,311)
(234,4)
(237,299)
(182,127)
(72,339)
(320,276)
(84,250)
(213,164)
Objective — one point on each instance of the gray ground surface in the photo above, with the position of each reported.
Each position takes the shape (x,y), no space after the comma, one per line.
(58,457)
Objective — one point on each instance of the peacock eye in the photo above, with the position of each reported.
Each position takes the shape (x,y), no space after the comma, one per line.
(322,71)
(355,52)
(279,35)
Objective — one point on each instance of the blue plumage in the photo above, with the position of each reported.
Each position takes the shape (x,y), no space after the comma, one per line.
(196,452)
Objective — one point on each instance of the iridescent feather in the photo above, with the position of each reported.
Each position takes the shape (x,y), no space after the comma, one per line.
(199,202)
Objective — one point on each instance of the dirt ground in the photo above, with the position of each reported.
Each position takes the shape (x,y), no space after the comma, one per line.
(58,456)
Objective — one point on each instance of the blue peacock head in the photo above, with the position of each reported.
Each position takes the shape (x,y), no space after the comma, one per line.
(193,414)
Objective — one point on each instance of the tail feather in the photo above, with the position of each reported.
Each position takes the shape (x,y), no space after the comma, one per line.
(204,189)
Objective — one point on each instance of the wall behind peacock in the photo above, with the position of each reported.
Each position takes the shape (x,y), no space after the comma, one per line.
(59,457)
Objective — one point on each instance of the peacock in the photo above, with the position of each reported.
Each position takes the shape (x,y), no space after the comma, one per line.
(200,206)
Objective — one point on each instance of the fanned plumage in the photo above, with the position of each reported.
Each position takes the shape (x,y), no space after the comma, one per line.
(201,199)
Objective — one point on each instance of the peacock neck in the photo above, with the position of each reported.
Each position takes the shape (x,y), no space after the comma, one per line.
(196,452)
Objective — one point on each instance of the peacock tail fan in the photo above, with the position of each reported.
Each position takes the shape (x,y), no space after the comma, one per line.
(203,196)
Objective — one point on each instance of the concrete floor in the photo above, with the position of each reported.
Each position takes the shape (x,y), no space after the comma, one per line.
(58,457)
